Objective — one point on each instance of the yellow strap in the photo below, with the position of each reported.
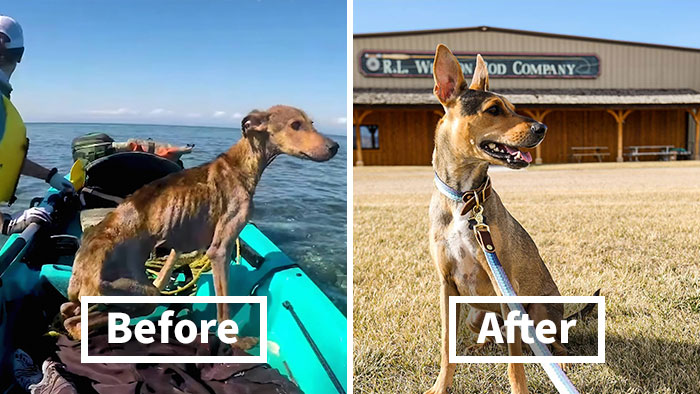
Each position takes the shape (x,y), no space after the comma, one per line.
(203,263)
(198,266)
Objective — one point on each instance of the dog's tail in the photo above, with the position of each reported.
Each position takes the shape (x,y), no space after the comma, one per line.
(585,311)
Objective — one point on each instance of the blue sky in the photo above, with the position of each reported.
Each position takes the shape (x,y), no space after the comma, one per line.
(661,22)
(180,62)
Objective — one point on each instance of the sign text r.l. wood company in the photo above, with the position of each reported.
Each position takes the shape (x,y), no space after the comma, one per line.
(414,64)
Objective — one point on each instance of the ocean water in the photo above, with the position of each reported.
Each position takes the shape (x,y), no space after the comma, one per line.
(300,205)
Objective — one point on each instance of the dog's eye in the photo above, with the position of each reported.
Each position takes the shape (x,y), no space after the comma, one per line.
(494,110)
(296,125)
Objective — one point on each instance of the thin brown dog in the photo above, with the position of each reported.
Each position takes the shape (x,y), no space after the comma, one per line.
(481,128)
(202,208)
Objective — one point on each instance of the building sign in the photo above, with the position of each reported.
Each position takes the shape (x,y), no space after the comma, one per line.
(414,64)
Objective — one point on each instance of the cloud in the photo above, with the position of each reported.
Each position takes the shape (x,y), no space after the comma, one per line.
(341,120)
(194,115)
(219,114)
(161,111)
(118,111)
(237,115)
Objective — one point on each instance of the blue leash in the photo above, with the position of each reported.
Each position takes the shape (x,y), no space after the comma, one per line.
(554,371)
(483,237)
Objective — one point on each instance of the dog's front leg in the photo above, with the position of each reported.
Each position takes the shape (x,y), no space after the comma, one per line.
(225,234)
(447,370)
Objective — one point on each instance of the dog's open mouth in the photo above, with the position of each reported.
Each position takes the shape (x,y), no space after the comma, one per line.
(512,156)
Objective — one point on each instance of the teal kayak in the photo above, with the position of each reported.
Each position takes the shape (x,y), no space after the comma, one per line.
(306,332)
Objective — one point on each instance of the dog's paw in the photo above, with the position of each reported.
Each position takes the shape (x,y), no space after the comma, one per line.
(70,309)
(436,390)
(72,325)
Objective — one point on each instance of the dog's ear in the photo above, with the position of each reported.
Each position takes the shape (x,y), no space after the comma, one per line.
(255,121)
(449,79)
(480,81)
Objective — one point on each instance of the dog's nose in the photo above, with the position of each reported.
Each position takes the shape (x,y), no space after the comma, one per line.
(538,129)
(333,148)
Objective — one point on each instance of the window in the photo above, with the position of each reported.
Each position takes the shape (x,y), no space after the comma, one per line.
(369,135)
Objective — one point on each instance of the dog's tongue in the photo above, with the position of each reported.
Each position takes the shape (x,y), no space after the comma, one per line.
(510,150)
(523,155)
(526,156)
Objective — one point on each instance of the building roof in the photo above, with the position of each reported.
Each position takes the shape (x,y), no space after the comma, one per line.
(522,32)
(550,97)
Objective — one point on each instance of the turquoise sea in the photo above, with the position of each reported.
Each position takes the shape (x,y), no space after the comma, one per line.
(300,205)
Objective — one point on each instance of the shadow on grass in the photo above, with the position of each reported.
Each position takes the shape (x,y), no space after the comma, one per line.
(633,364)
(655,364)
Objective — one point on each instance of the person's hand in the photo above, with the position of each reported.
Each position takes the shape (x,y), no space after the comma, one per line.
(58,182)
(22,220)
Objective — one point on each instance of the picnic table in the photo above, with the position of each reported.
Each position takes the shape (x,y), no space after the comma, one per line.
(579,152)
(665,152)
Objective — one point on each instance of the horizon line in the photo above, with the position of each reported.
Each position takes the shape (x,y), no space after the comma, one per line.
(153,124)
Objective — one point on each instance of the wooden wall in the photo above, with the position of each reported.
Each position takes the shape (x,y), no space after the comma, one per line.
(406,136)
(567,128)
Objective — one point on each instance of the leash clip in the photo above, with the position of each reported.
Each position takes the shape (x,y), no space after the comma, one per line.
(477,213)
(482,232)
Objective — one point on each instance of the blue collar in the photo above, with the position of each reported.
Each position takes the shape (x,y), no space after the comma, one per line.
(470,198)
(449,192)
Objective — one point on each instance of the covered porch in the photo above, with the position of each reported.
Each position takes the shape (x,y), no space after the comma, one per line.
(616,122)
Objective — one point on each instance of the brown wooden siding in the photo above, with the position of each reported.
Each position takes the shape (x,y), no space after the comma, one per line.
(406,136)
(598,128)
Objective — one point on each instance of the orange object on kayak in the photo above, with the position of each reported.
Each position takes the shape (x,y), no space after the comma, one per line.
(164,150)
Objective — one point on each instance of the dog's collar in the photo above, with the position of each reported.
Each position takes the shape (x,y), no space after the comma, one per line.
(470,198)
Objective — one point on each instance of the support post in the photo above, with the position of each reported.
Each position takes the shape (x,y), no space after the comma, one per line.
(620,116)
(695,113)
(538,115)
(358,118)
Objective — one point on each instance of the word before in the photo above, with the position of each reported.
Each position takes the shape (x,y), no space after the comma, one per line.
(544,332)
(118,330)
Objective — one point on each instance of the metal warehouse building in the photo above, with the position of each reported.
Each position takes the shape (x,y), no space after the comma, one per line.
(603,100)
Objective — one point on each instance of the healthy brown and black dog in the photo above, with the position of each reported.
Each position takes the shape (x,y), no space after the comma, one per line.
(199,208)
(481,128)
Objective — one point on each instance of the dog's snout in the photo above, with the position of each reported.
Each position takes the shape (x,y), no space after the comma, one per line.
(539,129)
(333,147)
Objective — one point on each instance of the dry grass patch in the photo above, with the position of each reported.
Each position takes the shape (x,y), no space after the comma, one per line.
(630,229)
